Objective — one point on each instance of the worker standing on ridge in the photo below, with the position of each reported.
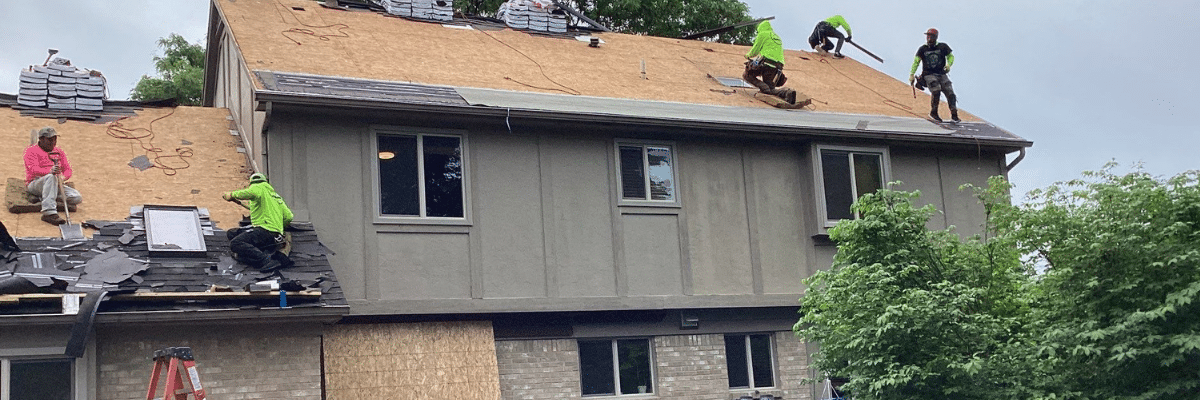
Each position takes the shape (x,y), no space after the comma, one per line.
(258,245)
(935,60)
(765,68)
(819,40)
(45,165)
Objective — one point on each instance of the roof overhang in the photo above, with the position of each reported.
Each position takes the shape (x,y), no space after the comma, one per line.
(300,89)
(323,314)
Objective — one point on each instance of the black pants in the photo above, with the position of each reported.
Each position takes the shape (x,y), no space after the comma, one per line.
(255,245)
(762,76)
(821,35)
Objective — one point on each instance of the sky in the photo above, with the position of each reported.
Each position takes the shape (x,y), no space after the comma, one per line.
(1088,81)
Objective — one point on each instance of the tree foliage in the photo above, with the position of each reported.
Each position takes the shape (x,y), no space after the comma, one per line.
(180,73)
(908,313)
(664,18)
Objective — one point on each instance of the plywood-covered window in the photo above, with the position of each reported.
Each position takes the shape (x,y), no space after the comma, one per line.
(615,367)
(646,173)
(844,174)
(420,175)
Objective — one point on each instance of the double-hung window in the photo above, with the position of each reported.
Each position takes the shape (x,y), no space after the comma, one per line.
(37,379)
(646,173)
(615,367)
(846,173)
(420,175)
(749,361)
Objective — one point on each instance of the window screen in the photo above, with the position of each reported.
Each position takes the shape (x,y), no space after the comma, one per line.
(848,175)
(40,380)
(420,175)
(647,172)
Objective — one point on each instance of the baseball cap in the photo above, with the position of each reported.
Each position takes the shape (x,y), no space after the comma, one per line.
(47,132)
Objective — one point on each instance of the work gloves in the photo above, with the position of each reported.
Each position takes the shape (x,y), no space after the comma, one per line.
(849,38)
(947,69)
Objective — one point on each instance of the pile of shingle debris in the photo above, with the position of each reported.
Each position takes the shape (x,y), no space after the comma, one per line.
(117,260)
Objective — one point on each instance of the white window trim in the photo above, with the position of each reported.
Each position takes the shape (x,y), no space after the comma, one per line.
(621,200)
(376,194)
(616,359)
(750,361)
(818,170)
(81,372)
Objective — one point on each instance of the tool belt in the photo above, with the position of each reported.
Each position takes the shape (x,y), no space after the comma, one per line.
(760,60)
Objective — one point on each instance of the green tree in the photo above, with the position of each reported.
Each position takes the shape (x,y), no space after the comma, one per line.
(180,70)
(1119,304)
(909,313)
(664,18)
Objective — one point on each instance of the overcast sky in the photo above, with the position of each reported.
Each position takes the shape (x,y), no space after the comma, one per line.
(1088,81)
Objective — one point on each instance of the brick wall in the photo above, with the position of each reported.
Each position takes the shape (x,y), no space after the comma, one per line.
(251,362)
(686,367)
(539,369)
(691,367)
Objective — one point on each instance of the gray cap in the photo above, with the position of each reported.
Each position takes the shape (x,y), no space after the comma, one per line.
(47,132)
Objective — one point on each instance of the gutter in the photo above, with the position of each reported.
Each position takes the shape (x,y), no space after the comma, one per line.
(324,314)
(263,96)
(1016,161)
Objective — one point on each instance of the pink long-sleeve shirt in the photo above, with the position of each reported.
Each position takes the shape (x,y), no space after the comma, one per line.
(38,163)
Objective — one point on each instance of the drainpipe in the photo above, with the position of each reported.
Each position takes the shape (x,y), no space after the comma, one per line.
(1014,162)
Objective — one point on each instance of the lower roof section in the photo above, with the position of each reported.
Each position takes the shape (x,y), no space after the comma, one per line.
(362,93)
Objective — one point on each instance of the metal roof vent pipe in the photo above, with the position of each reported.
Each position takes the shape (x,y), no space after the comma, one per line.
(594,42)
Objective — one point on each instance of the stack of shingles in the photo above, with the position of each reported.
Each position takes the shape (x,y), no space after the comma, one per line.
(437,10)
(535,15)
(59,86)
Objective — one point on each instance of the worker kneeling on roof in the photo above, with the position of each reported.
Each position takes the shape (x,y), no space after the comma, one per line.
(765,68)
(46,168)
(258,245)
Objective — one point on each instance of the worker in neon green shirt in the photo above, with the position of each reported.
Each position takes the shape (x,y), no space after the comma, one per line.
(258,245)
(819,40)
(935,60)
(765,68)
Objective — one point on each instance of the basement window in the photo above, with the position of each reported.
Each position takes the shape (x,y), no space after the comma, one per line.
(615,367)
(843,174)
(749,360)
(41,379)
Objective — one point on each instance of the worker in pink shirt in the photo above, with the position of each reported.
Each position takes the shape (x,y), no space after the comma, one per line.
(45,164)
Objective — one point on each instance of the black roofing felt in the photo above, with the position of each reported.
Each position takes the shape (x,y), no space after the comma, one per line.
(359,88)
(104,262)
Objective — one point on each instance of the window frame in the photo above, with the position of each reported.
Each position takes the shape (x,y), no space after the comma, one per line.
(616,359)
(621,200)
(819,176)
(376,185)
(80,367)
(771,350)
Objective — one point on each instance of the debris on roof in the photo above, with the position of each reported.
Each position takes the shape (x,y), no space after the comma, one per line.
(139,280)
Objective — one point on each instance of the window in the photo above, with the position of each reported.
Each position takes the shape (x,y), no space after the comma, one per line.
(844,174)
(615,367)
(420,175)
(36,379)
(749,360)
(646,172)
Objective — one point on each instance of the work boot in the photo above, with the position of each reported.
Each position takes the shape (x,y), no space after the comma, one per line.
(53,219)
(954,116)
(270,266)
(791,97)
(934,116)
(838,55)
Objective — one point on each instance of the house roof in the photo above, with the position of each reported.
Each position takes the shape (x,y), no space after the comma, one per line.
(174,156)
(110,186)
(298,37)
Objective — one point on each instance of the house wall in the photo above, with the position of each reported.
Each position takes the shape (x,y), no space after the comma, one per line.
(686,367)
(545,231)
(251,361)
(235,91)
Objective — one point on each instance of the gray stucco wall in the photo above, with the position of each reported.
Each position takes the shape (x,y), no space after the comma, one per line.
(546,232)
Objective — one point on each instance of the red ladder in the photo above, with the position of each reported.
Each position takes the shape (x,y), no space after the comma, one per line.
(172,358)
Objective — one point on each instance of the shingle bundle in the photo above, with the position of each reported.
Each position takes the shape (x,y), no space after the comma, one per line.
(60,86)
(535,15)
(437,10)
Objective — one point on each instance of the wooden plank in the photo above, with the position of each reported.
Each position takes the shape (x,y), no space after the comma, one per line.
(801,101)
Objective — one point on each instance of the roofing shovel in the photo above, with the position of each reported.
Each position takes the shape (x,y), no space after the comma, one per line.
(69,231)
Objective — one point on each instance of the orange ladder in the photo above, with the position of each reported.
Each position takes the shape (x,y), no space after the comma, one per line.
(172,358)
